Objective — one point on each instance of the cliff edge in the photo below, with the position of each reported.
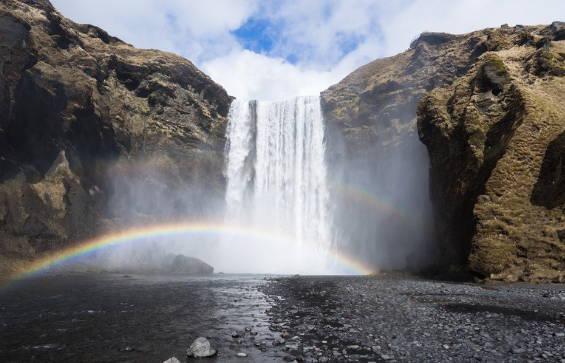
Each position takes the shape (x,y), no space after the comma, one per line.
(80,110)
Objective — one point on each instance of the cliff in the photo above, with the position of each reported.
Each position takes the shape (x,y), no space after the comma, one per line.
(488,106)
(80,112)
(495,139)
(450,152)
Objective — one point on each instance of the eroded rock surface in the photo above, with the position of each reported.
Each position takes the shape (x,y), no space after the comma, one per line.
(73,90)
(495,138)
(493,126)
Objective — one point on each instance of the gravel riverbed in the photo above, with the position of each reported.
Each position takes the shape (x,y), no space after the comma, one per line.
(388,318)
(252,318)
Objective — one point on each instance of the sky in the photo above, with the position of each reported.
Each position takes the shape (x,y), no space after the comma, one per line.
(273,50)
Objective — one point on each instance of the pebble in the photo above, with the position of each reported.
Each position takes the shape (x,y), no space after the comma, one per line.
(242,355)
(200,348)
(468,313)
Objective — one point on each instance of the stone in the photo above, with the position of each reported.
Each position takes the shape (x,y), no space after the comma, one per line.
(241,355)
(172,360)
(190,266)
(200,348)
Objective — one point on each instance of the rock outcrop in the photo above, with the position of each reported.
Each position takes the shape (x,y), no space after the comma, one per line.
(79,110)
(489,109)
(371,117)
(496,143)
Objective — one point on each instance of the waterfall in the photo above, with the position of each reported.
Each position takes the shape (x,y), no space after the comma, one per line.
(277,178)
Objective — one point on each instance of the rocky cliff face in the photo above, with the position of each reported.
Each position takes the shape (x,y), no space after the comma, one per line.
(495,138)
(96,134)
(80,111)
(490,113)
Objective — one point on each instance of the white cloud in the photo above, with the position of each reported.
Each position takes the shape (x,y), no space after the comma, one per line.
(319,32)
(328,38)
(250,75)
(197,30)
(403,25)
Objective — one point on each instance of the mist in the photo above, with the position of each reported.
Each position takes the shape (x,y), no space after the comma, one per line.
(291,199)
(382,208)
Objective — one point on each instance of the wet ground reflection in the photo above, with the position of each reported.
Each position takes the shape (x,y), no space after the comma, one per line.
(130,318)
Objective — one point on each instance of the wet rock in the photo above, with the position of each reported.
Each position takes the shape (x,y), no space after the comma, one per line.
(200,348)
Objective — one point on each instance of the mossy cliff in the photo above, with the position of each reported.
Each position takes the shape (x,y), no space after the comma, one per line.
(489,107)
(495,138)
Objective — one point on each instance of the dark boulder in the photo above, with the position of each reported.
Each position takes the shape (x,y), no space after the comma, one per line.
(189,265)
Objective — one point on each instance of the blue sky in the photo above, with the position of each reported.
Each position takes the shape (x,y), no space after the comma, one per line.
(283,48)
(258,35)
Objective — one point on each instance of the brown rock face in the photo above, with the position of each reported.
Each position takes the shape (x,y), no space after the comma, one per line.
(495,139)
(371,118)
(490,113)
(104,107)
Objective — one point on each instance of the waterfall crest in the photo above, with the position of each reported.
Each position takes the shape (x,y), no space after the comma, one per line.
(277,178)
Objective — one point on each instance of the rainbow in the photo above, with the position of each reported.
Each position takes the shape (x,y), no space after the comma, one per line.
(139,234)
